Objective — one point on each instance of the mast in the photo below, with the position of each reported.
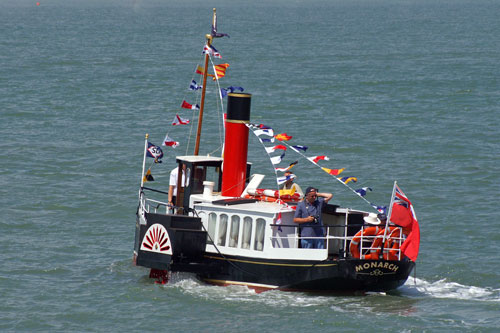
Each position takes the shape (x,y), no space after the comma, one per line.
(203,90)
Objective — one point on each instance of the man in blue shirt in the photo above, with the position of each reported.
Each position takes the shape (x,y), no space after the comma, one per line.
(308,215)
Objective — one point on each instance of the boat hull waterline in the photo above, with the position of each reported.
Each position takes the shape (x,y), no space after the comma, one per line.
(261,274)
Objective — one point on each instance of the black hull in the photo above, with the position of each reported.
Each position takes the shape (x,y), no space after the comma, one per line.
(348,275)
(333,275)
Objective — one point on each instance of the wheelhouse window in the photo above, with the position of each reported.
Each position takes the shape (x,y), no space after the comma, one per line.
(214,175)
(199,174)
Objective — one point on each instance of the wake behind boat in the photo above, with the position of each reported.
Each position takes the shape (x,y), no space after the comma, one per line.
(227,230)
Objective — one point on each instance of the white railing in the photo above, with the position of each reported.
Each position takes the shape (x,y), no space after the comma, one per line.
(369,240)
(154,206)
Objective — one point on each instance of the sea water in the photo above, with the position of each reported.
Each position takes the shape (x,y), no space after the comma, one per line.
(389,90)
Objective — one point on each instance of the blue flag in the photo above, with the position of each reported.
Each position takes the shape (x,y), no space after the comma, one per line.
(362,191)
(380,209)
(298,147)
(230,89)
(154,151)
(194,86)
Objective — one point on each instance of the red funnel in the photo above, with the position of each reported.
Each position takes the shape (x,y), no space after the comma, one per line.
(236,145)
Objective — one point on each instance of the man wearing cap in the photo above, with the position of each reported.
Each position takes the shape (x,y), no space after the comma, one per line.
(308,215)
(289,184)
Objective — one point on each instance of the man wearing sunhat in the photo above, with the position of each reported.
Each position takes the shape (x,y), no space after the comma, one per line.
(289,184)
(308,215)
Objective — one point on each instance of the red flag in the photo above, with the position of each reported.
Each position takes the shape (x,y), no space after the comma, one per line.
(279,221)
(402,214)
(169,142)
(412,243)
(283,137)
(209,49)
(333,172)
(272,149)
(186,105)
(180,121)
(315,159)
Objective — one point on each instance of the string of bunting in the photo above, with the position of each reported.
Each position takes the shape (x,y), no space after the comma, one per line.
(266,135)
(219,71)
(258,130)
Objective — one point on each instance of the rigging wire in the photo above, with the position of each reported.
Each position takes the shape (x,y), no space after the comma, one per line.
(336,178)
(219,107)
(218,251)
(193,113)
(314,163)
(219,98)
(269,155)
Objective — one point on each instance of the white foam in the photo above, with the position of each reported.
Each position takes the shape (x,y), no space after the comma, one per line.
(444,289)
(187,283)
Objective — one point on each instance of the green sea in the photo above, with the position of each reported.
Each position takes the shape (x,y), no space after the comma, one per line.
(389,90)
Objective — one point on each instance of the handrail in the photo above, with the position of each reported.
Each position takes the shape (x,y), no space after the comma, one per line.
(345,238)
(154,190)
(148,203)
(310,237)
(318,226)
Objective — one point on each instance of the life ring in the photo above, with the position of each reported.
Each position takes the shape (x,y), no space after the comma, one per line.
(391,245)
(375,247)
(272,196)
(355,242)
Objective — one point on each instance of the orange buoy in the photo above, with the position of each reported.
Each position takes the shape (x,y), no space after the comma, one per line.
(355,242)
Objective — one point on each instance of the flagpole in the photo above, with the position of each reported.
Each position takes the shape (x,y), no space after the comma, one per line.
(203,90)
(144,159)
(388,216)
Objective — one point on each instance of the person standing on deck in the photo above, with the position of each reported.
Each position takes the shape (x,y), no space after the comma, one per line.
(172,188)
(289,184)
(308,215)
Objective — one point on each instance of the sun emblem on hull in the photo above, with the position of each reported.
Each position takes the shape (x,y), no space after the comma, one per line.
(157,240)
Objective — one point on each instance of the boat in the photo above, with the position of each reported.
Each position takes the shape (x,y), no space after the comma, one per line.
(226,230)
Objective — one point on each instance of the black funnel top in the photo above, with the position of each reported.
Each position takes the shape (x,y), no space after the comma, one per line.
(238,106)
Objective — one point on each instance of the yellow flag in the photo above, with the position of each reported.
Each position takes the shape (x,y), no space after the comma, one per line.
(333,172)
(148,177)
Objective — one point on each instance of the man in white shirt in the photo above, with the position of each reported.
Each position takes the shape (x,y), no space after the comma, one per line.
(172,189)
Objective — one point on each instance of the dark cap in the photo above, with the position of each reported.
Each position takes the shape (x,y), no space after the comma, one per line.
(311,189)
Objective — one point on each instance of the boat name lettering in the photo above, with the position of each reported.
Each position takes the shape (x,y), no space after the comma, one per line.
(376,264)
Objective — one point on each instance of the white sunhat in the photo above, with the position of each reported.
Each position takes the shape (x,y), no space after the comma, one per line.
(372,218)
